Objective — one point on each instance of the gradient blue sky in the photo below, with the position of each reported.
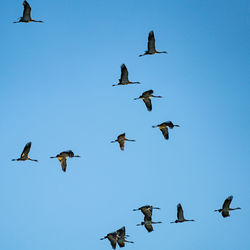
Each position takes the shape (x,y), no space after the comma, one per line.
(55,90)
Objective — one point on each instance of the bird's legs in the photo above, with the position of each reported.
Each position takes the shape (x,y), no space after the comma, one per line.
(32,160)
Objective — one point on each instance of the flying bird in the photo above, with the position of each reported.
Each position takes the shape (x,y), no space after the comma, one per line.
(121,237)
(62,157)
(148,223)
(124,77)
(164,128)
(146,97)
(112,237)
(26,18)
(151,46)
(25,154)
(180,215)
(146,210)
(121,140)
(226,207)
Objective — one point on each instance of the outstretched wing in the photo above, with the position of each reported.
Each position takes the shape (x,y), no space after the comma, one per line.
(227,202)
(122,144)
(148,103)
(149,227)
(112,239)
(63,161)
(147,211)
(124,74)
(26,150)
(180,214)
(151,41)
(121,232)
(164,131)
(26,11)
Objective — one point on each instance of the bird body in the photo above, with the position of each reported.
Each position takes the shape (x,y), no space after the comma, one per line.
(124,77)
(164,128)
(25,154)
(151,46)
(146,97)
(180,215)
(26,18)
(121,140)
(148,223)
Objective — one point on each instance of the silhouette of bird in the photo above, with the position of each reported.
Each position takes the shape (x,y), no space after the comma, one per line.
(148,223)
(226,207)
(151,46)
(121,237)
(124,77)
(146,97)
(25,154)
(164,128)
(121,140)
(62,157)
(180,215)
(26,18)
(112,237)
(146,210)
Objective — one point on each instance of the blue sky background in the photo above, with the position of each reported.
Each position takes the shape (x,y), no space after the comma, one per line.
(55,90)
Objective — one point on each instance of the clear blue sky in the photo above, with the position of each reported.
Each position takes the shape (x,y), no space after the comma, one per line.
(55,90)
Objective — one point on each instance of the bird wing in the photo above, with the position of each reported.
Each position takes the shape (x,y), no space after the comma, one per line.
(147,93)
(112,239)
(26,150)
(122,144)
(147,211)
(121,242)
(227,202)
(148,103)
(124,74)
(26,11)
(164,131)
(225,213)
(151,41)
(121,232)
(149,227)
(180,214)
(63,161)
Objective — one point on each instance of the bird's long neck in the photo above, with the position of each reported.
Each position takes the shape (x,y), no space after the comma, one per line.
(32,160)
(188,220)
(161,52)
(234,208)
(157,96)
(157,222)
(135,82)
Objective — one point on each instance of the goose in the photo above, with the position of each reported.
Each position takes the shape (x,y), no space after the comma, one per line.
(121,237)
(124,77)
(146,97)
(25,154)
(121,140)
(62,157)
(146,210)
(148,223)
(26,18)
(164,128)
(112,237)
(180,215)
(226,207)
(151,46)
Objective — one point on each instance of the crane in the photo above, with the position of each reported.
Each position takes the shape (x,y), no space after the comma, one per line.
(180,215)
(25,154)
(148,223)
(164,128)
(121,140)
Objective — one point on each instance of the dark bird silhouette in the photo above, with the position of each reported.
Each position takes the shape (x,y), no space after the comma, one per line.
(146,97)
(146,210)
(226,207)
(121,237)
(180,215)
(164,128)
(148,223)
(25,154)
(62,157)
(151,46)
(112,237)
(26,18)
(121,140)
(124,77)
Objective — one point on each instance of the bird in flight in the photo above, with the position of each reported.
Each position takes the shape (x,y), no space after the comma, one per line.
(148,223)
(124,77)
(112,238)
(146,97)
(151,46)
(26,18)
(164,128)
(121,140)
(25,154)
(146,210)
(226,207)
(62,157)
(180,215)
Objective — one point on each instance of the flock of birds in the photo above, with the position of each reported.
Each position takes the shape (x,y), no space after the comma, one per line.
(119,236)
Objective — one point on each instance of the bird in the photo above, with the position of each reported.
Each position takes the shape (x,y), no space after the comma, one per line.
(62,157)
(121,237)
(148,223)
(146,210)
(164,128)
(146,97)
(180,215)
(112,237)
(26,18)
(121,140)
(25,154)
(124,77)
(226,207)
(151,46)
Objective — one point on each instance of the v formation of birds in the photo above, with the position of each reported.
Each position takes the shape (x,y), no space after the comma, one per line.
(119,236)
